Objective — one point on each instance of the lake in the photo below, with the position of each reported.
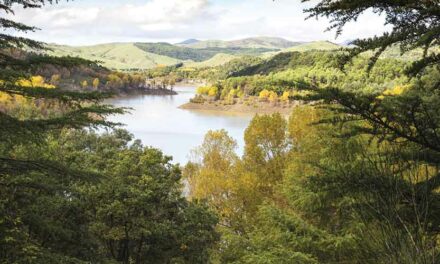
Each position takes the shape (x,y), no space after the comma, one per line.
(158,122)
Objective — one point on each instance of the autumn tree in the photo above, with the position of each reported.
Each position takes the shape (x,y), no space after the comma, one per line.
(266,146)
(84,84)
(211,174)
(95,83)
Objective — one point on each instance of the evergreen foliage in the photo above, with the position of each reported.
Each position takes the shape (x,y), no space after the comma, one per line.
(358,174)
(69,195)
(415,25)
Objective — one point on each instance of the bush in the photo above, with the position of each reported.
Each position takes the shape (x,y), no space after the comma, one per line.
(207,90)
(198,99)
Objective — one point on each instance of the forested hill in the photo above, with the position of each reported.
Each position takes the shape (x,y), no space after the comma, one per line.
(256,42)
(139,55)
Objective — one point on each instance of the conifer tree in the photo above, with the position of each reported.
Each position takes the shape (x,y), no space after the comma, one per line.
(38,221)
(415,24)
(81,109)
(412,116)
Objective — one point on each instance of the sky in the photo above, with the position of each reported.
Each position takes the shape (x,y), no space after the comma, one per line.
(87,22)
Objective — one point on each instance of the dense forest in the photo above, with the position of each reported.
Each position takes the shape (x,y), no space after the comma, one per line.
(351,176)
(184,53)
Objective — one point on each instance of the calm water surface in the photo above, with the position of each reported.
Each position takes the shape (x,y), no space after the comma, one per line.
(158,122)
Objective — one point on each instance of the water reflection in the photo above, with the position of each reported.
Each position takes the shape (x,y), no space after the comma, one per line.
(158,122)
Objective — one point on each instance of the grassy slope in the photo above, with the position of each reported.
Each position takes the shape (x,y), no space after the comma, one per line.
(178,52)
(316,45)
(217,60)
(115,55)
(209,53)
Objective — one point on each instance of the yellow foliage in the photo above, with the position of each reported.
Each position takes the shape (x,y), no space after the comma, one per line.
(95,83)
(187,69)
(18,100)
(398,90)
(213,91)
(264,94)
(273,96)
(34,81)
(217,176)
(233,93)
(240,93)
(4,97)
(207,90)
(84,84)
(285,96)
(202,90)
(236,187)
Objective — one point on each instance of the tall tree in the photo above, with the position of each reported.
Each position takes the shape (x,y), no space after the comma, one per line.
(410,116)
(265,149)
(39,223)
(81,109)
(404,125)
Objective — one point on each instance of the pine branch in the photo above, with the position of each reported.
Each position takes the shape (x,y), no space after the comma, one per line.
(7,41)
(415,24)
(9,24)
(72,98)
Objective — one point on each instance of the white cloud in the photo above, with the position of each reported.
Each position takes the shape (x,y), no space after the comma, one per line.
(171,20)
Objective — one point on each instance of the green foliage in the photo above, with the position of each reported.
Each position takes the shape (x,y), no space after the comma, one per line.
(265,149)
(218,59)
(177,52)
(415,25)
(138,209)
(295,71)
(68,195)
(352,177)
(116,202)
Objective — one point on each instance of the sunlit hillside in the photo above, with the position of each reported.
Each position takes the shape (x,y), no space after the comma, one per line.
(116,55)
(218,60)
(256,42)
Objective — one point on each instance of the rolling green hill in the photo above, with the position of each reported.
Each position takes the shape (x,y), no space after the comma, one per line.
(199,54)
(218,60)
(303,47)
(315,45)
(126,56)
(120,56)
(178,52)
(248,43)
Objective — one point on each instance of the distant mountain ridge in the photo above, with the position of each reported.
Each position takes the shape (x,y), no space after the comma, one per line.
(255,42)
(188,42)
(192,52)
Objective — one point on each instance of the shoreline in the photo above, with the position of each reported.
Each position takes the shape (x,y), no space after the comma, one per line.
(258,108)
(144,91)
